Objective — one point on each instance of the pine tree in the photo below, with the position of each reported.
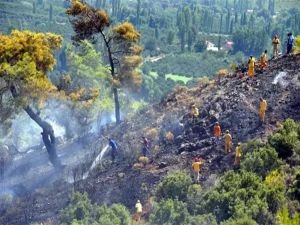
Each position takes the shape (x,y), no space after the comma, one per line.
(231,27)
(138,12)
(26,57)
(181,30)
(51,13)
(236,18)
(228,16)
(33,7)
(190,39)
(221,24)
(170,37)
(271,6)
(156,33)
(120,45)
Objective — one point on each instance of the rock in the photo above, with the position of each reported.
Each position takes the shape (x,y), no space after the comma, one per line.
(178,139)
(214,118)
(162,165)
(204,113)
(189,147)
(121,175)
(203,144)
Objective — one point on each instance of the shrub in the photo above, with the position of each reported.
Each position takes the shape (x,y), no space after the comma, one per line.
(138,166)
(80,208)
(144,160)
(251,145)
(222,73)
(152,133)
(283,218)
(81,211)
(261,161)
(116,214)
(207,219)
(297,44)
(156,149)
(200,45)
(295,190)
(174,186)
(241,221)
(275,191)
(169,212)
(237,195)
(286,140)
(169,136)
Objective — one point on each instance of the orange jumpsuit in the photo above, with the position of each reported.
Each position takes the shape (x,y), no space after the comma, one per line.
(217,131)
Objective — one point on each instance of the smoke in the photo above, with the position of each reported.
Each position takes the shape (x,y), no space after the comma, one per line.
(280,79)
(77,130)
(102,120)
(25,133)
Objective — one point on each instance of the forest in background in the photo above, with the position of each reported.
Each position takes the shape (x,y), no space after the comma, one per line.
(173,33)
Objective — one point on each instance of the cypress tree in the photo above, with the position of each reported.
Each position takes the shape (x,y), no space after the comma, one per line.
(156,33)
(228,21)
(138,12)
(33,7)
(51,13)
(221,24)
(231,27)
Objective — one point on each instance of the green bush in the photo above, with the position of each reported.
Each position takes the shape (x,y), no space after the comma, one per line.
(286,140)
(251,145)
(261,161)
(80,208)
(116,214)
(174,186)
(275,184)
(81,211)
(295,189)
(283,218)
(200,45)
(169,212)
(207,219)
(241,221)
(237,195)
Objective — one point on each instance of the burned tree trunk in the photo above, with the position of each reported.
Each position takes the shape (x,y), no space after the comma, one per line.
(47,133)
(113,74)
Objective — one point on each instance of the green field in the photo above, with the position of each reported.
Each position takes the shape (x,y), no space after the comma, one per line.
(177,78)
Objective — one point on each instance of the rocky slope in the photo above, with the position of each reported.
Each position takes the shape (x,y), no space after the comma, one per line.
(176,138)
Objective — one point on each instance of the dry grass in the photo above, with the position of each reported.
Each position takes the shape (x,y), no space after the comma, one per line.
(152,133)
(138,166)
(156,150)
(144,160)
(169,136)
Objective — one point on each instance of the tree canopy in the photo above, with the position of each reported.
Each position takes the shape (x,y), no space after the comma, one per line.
(123,54)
